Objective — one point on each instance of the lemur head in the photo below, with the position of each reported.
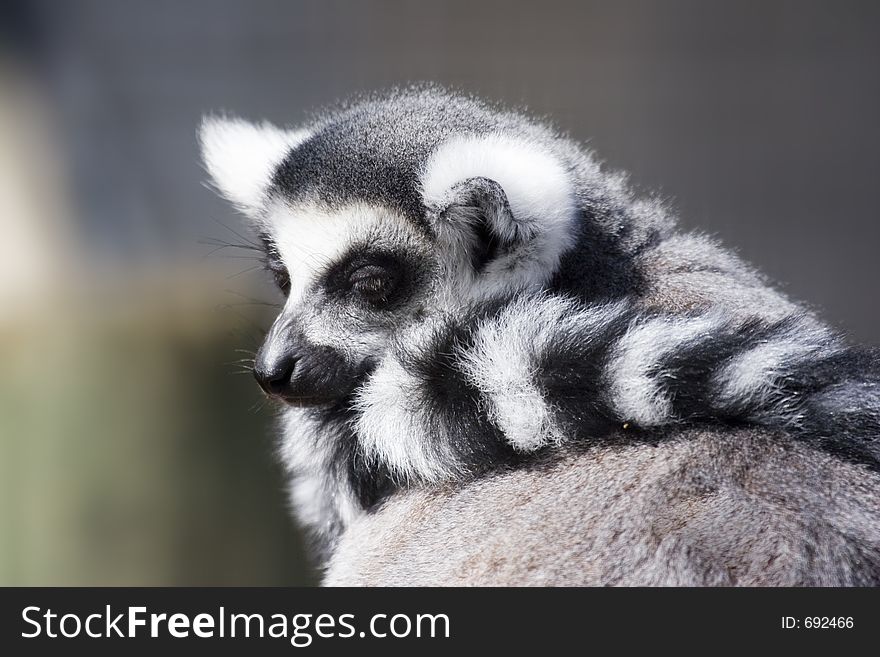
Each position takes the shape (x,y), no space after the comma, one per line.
(386,212)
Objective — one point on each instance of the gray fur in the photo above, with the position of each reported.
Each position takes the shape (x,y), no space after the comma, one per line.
(569,390)
(744,508)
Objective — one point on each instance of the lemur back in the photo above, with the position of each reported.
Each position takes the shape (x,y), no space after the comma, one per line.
(698,507)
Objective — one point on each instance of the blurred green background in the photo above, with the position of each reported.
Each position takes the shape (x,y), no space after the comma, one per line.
(131,451)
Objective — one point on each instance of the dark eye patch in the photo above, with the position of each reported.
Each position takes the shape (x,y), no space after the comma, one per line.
(379,278)
(274,264)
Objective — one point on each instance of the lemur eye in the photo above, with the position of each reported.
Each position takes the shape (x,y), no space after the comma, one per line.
(282,280)
(373,282)
(274,264)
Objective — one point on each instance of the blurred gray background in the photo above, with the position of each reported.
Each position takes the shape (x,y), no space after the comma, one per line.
(130,451)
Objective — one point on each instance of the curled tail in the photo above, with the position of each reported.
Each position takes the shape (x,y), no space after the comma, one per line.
(509,380)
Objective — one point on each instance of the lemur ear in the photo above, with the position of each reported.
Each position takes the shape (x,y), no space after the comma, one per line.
(501,200)
(480,207)
(241,157)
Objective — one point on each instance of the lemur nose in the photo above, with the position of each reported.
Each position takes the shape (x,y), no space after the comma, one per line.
(275,377)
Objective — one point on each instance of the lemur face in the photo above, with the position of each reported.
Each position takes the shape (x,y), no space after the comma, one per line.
(378,217)
(352,277)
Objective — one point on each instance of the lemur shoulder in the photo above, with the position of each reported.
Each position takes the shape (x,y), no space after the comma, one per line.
(491,344)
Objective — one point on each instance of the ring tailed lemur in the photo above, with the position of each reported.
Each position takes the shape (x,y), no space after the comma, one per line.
(491,349)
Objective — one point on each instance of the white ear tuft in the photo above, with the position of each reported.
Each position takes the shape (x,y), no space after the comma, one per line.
(241,157)
(539,192)
(535,182)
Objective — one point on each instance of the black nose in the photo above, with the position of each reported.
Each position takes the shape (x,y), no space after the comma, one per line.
(274,377)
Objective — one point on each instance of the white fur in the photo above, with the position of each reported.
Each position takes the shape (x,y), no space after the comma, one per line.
(242,157)
(753,375)
(636,394)
(392,427)
(538,190)
(308,238)
(318,498)
(537,186)
(502,366)
(506,353)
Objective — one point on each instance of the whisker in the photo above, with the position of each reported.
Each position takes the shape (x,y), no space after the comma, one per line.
(258,406)
(239,235)
(246,271)
(252,300)
(232,256)
(248,361)
(218,247)
(216,241)
(258,330)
